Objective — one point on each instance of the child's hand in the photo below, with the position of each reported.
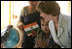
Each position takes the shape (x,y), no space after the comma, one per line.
(2,45)
(41,43)
(10,26)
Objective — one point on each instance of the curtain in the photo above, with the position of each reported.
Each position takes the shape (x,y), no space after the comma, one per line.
(10,12)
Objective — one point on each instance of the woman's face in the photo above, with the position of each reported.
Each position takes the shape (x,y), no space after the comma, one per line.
(44,26)
(48,17)
(33,3)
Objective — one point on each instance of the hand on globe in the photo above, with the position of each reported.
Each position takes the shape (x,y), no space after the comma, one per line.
(20,25)
(2,45)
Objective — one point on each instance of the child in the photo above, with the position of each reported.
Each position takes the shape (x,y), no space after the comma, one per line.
(44,39)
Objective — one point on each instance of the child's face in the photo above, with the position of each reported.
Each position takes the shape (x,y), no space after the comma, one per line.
(44,26)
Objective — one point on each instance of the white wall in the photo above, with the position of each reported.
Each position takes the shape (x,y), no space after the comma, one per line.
(65,8)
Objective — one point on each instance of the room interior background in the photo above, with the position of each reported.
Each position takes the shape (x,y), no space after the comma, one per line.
(10,11)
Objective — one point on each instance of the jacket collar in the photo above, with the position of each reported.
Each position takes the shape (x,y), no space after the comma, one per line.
(60,26)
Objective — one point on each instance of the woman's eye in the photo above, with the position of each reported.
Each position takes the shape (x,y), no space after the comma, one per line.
(42,24)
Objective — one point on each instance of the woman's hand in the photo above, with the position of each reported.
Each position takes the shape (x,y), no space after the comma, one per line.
(20,25)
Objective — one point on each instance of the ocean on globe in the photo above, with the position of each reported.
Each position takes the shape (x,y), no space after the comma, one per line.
(9,37)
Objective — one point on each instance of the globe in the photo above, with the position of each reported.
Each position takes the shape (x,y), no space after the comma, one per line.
(10,37)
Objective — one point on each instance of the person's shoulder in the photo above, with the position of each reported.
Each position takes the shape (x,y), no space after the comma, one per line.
(25,7)
(24,10)
(64,20)
(64,17)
